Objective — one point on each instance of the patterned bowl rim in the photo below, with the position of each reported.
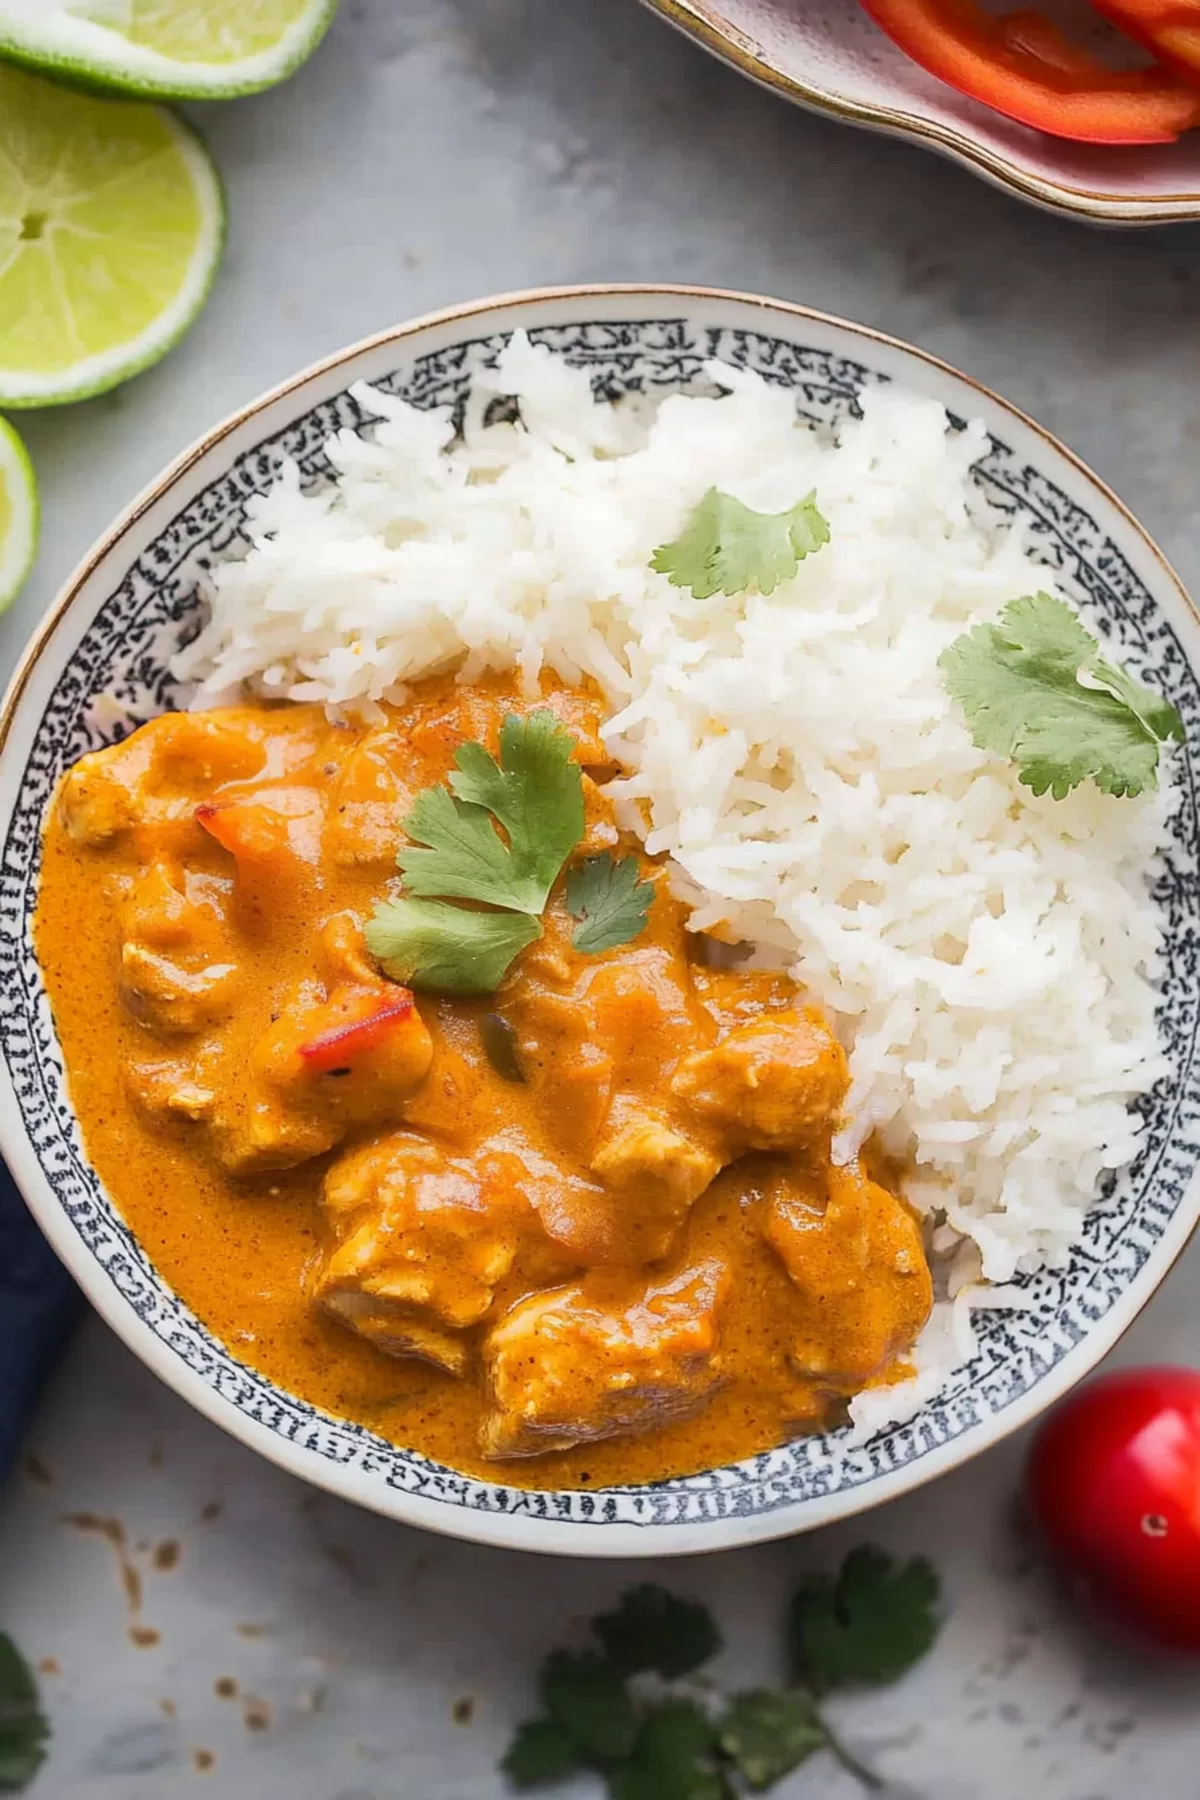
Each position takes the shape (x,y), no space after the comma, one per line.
(1096,205)
(541,1530)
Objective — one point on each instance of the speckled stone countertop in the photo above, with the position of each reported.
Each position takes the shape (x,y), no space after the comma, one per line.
(207,1625)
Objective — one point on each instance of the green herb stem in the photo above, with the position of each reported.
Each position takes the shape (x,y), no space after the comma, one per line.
(837,1749)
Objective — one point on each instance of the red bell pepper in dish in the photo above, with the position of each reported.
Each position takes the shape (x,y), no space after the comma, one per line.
(1169,28)
(341,1045)
(1024,67)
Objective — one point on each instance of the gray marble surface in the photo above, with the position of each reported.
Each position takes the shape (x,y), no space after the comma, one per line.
(436,150)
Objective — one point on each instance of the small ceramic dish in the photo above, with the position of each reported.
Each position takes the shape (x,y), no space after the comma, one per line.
(831,57)
(98,666)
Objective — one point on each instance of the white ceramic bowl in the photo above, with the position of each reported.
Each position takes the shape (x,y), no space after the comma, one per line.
(98,666)
(829,56)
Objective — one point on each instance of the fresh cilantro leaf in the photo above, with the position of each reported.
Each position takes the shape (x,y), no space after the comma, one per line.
(611,900)
(727,548)
(652,1629)
(1157,714)
(541,1751)
(870,1623)
(587,1698)
(769,1733)
(446,949)
(675,1757)
(536,791)
(459,853)
(1034,687)
(465,857)
(23,1728)
(537,796)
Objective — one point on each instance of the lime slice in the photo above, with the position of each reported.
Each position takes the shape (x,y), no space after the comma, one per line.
(186,48)
(18,514)
(111,225)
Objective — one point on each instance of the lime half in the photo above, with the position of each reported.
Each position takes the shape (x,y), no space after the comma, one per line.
(184,48)
(18,514)
(111,225)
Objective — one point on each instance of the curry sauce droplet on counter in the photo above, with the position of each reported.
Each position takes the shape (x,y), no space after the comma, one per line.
(112,1531)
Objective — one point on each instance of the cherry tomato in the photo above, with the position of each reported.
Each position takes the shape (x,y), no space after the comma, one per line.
(1114,1483)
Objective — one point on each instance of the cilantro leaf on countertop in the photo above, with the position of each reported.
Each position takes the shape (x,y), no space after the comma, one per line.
(728,548)
(770,1732)
(607,895)
(588,1699)
(1035,688)
(604,1709)
(540,1752)
(675,1757)
(869,1623)
(24,1729)
(446,949)
(535,792)
(653,1630)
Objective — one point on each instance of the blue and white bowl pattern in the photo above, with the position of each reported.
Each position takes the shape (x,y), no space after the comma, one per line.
(117,677)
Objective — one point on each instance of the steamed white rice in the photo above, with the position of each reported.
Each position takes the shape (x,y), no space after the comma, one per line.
(988,957)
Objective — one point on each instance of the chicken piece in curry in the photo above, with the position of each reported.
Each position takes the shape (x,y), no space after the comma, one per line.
(588,1223)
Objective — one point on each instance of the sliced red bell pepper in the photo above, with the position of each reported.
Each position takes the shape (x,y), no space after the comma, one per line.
(341,1045)
(1169,28)
(1024,67)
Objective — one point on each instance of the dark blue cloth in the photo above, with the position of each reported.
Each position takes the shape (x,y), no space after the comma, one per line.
(39,1304)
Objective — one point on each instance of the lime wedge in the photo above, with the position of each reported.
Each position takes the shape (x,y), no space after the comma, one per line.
(185,48)
(18,514)
(111,225)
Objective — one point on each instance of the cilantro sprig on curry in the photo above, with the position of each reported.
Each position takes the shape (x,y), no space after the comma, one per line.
(573,1205)
(535,796)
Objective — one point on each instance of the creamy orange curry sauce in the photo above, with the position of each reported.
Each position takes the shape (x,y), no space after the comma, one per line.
(586,1227)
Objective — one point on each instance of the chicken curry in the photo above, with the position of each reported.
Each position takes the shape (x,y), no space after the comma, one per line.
(587,1225)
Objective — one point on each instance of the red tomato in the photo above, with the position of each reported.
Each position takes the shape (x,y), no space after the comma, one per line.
(1114,1482)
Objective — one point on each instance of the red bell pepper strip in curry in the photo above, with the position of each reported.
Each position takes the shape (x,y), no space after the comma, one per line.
(1169,28)
(341,1045)
(1024,67)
